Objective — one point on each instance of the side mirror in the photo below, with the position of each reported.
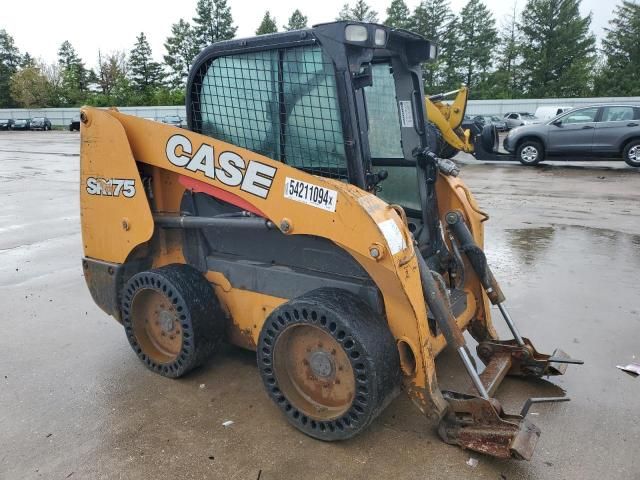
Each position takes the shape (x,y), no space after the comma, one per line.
(557,123)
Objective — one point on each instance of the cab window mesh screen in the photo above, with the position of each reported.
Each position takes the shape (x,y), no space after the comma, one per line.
(279,103)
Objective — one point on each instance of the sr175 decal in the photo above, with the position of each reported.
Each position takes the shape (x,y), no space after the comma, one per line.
(111,187)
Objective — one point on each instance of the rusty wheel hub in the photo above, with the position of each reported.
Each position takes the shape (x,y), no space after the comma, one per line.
(157,326)
(314,372)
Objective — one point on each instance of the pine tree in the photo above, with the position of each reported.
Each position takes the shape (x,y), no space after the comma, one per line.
(145,74)
(507,78)
(558,49)
(297,21)
(213,22)
(398,15)
(181,50)
(268,25)
(360,12)
(434,20)
(9,63)
(478,38)
(75,77)
(27,61)
(621,48)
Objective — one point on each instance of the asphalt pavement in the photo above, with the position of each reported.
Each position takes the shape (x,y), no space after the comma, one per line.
(76,403)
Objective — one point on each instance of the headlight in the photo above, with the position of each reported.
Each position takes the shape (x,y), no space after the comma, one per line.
(356,33)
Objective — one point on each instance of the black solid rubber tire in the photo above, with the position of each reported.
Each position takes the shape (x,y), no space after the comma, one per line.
(533,143)
(625,153)
(366,339)
(489,138)
(201,317)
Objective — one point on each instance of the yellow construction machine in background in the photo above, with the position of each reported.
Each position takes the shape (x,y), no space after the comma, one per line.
(450,134)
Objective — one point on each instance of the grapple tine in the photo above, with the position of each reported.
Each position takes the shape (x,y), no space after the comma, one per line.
(531,401)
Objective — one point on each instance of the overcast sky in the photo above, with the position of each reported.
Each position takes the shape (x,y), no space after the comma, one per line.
(40,26)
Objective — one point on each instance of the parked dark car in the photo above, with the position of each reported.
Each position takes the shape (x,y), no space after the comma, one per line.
(40,123)
(609,131)
(22,124)
(483,120)
(6,124)
(74,124)
(174,120)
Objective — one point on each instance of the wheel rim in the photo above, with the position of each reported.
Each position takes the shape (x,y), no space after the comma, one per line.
(529,153)
(156,326)
(314,372)
(634,153)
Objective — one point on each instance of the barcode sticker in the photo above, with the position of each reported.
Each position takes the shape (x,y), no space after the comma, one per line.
(406,113)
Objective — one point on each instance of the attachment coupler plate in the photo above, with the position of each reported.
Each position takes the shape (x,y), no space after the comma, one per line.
(526,361)
(481,425)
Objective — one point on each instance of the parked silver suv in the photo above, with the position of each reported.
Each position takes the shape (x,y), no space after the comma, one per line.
(518,119)
(609,131)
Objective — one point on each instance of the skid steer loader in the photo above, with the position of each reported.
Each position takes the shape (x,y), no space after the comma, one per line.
(303,216)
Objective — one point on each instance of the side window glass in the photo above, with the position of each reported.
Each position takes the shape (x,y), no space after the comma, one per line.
(382,109)
(617,114)
(513,115)
(581,116)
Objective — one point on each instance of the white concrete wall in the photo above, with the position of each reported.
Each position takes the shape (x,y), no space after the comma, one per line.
(62,116)
(500,107)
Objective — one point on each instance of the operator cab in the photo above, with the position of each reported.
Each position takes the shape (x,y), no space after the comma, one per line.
(342,100)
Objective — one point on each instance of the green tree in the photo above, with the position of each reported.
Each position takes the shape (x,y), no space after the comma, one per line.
(558,49)
(145,74)
(75,77)
(181,50)
(29,88)
(433,19)
(55,92)
(111,70)
(507,78)
(360,12)
(620,73)
(268,25)
(398,15)
(213,22)
(9,63)
(297,21)
(27,61)
(477,40)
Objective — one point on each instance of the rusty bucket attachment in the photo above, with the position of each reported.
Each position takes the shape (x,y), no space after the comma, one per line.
(481,425)
(525,360)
